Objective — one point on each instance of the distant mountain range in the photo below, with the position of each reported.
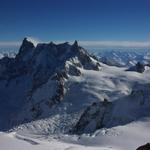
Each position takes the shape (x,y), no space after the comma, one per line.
(116,57)
(124,57)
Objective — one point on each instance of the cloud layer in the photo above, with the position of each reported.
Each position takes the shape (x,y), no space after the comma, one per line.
(9,43)
(88,44)
(117,44)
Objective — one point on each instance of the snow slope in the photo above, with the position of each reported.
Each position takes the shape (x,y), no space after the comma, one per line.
(126,137)
(17,142)
(92,86)
(60,86)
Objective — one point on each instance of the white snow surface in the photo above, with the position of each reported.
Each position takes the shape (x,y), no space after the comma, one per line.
(110,82)
(13,141)
(125,137)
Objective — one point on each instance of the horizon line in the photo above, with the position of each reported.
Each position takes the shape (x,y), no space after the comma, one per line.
(85,43)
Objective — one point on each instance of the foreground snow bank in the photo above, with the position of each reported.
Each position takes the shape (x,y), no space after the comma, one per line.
(12,141)
(127,137)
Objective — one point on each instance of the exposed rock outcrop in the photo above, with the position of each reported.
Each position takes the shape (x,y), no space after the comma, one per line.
(144,147)
(139,67)
(109,114)
(92,118)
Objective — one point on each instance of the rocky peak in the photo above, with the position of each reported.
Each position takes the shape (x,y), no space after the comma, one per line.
(75,43)
(92,118)
(75,46)
(25,47)
(26,44)
(48,59)
(140,67)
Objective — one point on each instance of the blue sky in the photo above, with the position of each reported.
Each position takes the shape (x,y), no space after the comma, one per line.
(67,20)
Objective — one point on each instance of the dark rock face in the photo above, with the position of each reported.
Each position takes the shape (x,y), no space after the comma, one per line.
(140,68)
(73,71)
(120,112)
(144,147)
(25,48)
(26,45)
(92,118)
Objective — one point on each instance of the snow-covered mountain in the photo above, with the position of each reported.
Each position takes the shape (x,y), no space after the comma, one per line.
(124,57)
(39,75)
(61,93)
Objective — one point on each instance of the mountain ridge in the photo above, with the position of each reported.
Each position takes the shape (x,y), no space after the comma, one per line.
(34,67)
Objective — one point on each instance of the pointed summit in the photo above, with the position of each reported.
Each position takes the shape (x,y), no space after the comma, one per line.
(51,43)
(75,44)
(26,44)
(25,47)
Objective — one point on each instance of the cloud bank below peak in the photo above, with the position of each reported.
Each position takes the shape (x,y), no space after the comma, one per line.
(115,44)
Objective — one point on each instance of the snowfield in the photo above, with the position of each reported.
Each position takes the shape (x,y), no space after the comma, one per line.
(112,83)
(126,137)
(37,135)
(59,97)
(12,141)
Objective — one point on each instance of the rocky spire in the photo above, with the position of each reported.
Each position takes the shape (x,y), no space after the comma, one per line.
(75,44)
(51,43)
(24,48)
(26,44)
(140,67)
